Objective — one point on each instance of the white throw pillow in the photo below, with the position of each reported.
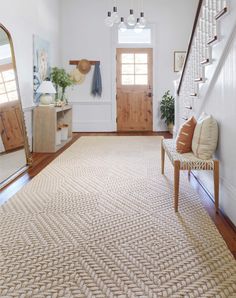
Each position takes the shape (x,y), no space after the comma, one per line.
(205,137)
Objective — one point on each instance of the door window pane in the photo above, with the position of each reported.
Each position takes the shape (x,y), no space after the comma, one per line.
(134,68)
(12,96)
(128,69)
(10,86)
(2,89)
(141,58)
(127,79)
(127,58)
(141,69)
(141,80)
(3,98)
(8,75)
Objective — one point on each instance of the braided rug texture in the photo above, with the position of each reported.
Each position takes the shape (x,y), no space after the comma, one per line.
(99,222)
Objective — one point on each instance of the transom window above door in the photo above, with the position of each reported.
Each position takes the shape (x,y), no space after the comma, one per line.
(134,69)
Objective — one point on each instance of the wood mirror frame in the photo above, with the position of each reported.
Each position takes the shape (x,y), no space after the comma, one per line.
(25,144)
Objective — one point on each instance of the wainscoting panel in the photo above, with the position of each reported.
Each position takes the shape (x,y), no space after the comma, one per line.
(91,116)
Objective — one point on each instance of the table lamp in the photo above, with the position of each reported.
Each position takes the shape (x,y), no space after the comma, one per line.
(46,89)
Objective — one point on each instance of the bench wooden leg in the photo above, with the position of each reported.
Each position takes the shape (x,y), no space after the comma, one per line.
(189,173)
(176,184)
(216,184)
(162,159)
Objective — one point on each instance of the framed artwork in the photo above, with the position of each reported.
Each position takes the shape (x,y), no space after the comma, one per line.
(41,63)
(179,58)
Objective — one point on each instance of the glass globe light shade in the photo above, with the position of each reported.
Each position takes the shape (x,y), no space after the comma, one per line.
(142,21)
(131,19)
(122,26)
(138,28)
(115,16)
(108,20)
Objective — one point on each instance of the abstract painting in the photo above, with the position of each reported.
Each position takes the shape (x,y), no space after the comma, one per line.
(41,66)
(179,58)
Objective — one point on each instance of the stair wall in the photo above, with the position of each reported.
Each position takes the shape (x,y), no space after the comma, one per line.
(214,94)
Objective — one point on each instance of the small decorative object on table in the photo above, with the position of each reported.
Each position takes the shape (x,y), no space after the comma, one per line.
(58,136)
(46,89)
(167,108)
(62,80)
(60,103)
(64,132)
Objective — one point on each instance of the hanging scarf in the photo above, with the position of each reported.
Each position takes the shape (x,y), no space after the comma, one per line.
(97,81)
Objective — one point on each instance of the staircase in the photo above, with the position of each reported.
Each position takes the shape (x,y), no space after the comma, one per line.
(203,56)
(208,84)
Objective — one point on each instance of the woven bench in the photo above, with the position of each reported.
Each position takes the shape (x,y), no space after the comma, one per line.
(188,161)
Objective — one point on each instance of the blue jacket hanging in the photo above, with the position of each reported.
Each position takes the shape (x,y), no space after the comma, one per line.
(97,80)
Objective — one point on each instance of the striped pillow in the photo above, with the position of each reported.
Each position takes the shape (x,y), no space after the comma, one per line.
(185,136)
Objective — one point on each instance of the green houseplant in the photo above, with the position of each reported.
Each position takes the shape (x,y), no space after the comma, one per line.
(167,108)
(62,80)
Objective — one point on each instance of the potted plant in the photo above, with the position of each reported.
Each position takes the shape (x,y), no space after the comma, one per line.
(167,108)
(62,80)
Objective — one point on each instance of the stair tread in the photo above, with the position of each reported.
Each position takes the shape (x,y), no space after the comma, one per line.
(221,13)
(213,39)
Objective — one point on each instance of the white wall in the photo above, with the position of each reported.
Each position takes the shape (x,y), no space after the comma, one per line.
(84,35)
(23,19)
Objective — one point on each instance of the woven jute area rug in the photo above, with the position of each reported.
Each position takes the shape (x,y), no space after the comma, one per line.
(99,222)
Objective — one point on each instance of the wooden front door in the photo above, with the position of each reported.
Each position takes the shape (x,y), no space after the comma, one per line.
(11,127)
(134,90)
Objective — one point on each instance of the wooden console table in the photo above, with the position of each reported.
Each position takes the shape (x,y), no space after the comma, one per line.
(46,120)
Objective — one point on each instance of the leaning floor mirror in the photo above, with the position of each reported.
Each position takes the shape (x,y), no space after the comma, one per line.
(15,155)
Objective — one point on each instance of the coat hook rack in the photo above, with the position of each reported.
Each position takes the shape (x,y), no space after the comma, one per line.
(76,62)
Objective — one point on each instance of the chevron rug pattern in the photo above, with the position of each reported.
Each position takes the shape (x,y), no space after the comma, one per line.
(99,222)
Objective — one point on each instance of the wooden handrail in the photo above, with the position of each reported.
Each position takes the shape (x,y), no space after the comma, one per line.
(190,44)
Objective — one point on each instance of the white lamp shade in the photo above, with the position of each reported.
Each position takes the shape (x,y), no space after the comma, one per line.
(46,87)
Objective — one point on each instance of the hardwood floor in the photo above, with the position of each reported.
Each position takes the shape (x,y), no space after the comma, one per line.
(41,160)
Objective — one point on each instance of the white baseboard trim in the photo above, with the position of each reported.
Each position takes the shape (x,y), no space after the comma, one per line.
(100,126)
(227,196)
(28,109)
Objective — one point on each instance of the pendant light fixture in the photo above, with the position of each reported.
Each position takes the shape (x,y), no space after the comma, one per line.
(122,26)
(142,21)
(131,18)
(114,18)
(108,20)
(138,28)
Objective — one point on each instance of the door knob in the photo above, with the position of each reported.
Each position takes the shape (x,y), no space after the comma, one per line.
(148,94)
